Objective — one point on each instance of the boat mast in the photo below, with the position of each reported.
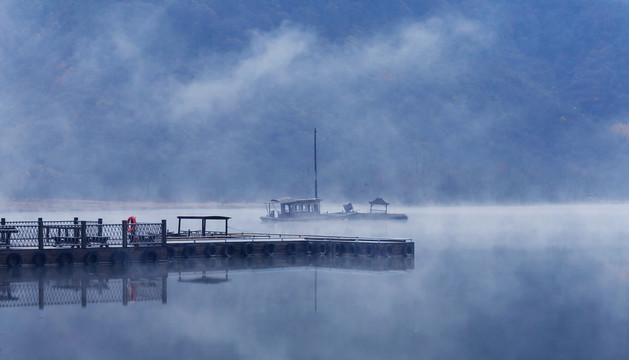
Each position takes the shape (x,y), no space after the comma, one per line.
(315,162)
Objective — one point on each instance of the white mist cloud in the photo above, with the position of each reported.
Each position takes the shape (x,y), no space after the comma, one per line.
(292,59)
(134,81)
(270,61)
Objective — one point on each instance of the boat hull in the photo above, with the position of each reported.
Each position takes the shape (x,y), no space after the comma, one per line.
(336,217)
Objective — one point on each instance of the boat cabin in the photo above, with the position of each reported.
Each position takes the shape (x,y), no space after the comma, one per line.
(378,206)
(291,208)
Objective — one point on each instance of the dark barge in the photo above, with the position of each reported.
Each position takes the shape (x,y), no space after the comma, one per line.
(65,243)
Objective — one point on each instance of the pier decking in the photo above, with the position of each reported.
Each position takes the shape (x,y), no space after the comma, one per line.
(64,243)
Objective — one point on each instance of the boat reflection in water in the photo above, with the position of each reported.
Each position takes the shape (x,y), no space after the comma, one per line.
(137,283)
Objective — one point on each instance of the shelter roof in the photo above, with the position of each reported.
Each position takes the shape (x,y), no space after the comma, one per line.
(378,201)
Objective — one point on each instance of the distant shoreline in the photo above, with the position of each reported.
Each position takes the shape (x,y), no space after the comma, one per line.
(64,205)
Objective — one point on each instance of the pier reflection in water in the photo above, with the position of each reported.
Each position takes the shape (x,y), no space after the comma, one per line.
(68,286)
(37,286)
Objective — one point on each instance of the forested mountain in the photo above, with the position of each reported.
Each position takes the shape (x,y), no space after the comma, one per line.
(413,101)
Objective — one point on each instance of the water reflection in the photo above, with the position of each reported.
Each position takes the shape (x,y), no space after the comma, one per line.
(452,303)
(499,284)
(86,285)
(93,284)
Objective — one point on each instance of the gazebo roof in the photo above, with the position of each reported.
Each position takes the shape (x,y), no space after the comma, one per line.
(379,201)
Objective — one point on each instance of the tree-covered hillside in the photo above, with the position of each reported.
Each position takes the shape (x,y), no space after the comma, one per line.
(414,101)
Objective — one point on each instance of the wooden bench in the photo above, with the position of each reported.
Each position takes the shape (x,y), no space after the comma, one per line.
(76,240)
(67,240)
(63,235)
(99,240)
(5,234)
(141,238)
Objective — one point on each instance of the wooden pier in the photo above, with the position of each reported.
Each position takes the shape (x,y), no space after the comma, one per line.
(65,243)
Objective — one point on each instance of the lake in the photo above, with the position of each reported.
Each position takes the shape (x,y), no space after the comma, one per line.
(486,282)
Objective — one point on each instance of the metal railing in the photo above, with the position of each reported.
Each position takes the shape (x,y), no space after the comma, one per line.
(80,234)
(84,234)
(48,222)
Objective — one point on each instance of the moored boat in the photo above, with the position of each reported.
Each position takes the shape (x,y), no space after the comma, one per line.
(289,209)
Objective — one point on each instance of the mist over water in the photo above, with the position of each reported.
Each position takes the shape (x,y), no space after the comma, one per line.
(521,282)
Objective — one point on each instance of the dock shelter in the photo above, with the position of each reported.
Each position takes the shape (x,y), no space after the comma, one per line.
(204,220)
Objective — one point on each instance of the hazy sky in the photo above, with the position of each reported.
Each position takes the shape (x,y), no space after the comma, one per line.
(161,100)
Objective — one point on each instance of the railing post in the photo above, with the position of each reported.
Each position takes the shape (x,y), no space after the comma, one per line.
(76,229)
(124,234)
(40,234)
(40,293)
(100,227)
(3,221)
(163,232)
(164,289)
(83,234)
(125,291)
(83,292)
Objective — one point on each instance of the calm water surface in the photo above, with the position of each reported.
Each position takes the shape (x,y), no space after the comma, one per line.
(535,282)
